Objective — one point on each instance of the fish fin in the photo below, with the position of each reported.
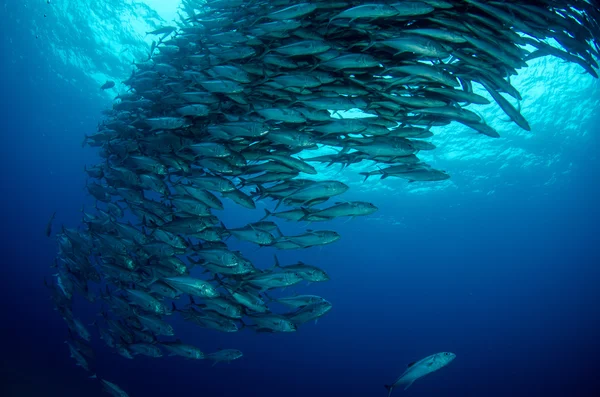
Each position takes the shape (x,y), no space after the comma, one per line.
(411,364)
(306,213)
(276,261)
(267,214)
(408,385)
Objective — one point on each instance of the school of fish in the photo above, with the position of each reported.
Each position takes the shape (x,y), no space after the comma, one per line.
(227,107)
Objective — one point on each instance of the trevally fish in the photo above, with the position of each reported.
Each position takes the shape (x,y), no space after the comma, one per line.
(178,348)
(224,355)
(421,368)
(113,389)
(49,225)
(309,312)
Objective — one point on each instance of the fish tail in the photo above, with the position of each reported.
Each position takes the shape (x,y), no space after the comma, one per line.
(389,389)
(306,215)
(260,190)
(267,214)
(366,174)
(224,227)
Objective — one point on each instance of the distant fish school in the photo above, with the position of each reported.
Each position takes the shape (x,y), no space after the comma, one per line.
(226,107)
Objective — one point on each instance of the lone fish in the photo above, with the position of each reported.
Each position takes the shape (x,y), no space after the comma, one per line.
(49,225)
(421,368)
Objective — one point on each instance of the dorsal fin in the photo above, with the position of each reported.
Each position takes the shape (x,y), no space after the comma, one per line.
(411,364)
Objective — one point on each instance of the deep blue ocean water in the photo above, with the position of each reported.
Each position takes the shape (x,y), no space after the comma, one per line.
(510,282)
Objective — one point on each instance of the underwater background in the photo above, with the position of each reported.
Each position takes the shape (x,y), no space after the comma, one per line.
(499,264)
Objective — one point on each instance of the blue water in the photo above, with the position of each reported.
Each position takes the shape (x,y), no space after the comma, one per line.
(509,282)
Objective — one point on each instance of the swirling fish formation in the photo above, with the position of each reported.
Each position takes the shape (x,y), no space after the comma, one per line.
(226,107)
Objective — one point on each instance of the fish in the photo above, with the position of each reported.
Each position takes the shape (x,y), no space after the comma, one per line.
(340,209)
(224,355)
(146,301)
(269,322)
(272,279)
(298,301)
(291,12)
(145,349)
(252,235)
(248,300)
(304,271)
(155,325)
(211,320)
(309,312)
(49,225)
(312,238)
(419,369)
(78,357)
(224,306)
(178,348)
(165,30)
(109,84)
(113,389)
(193,286)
